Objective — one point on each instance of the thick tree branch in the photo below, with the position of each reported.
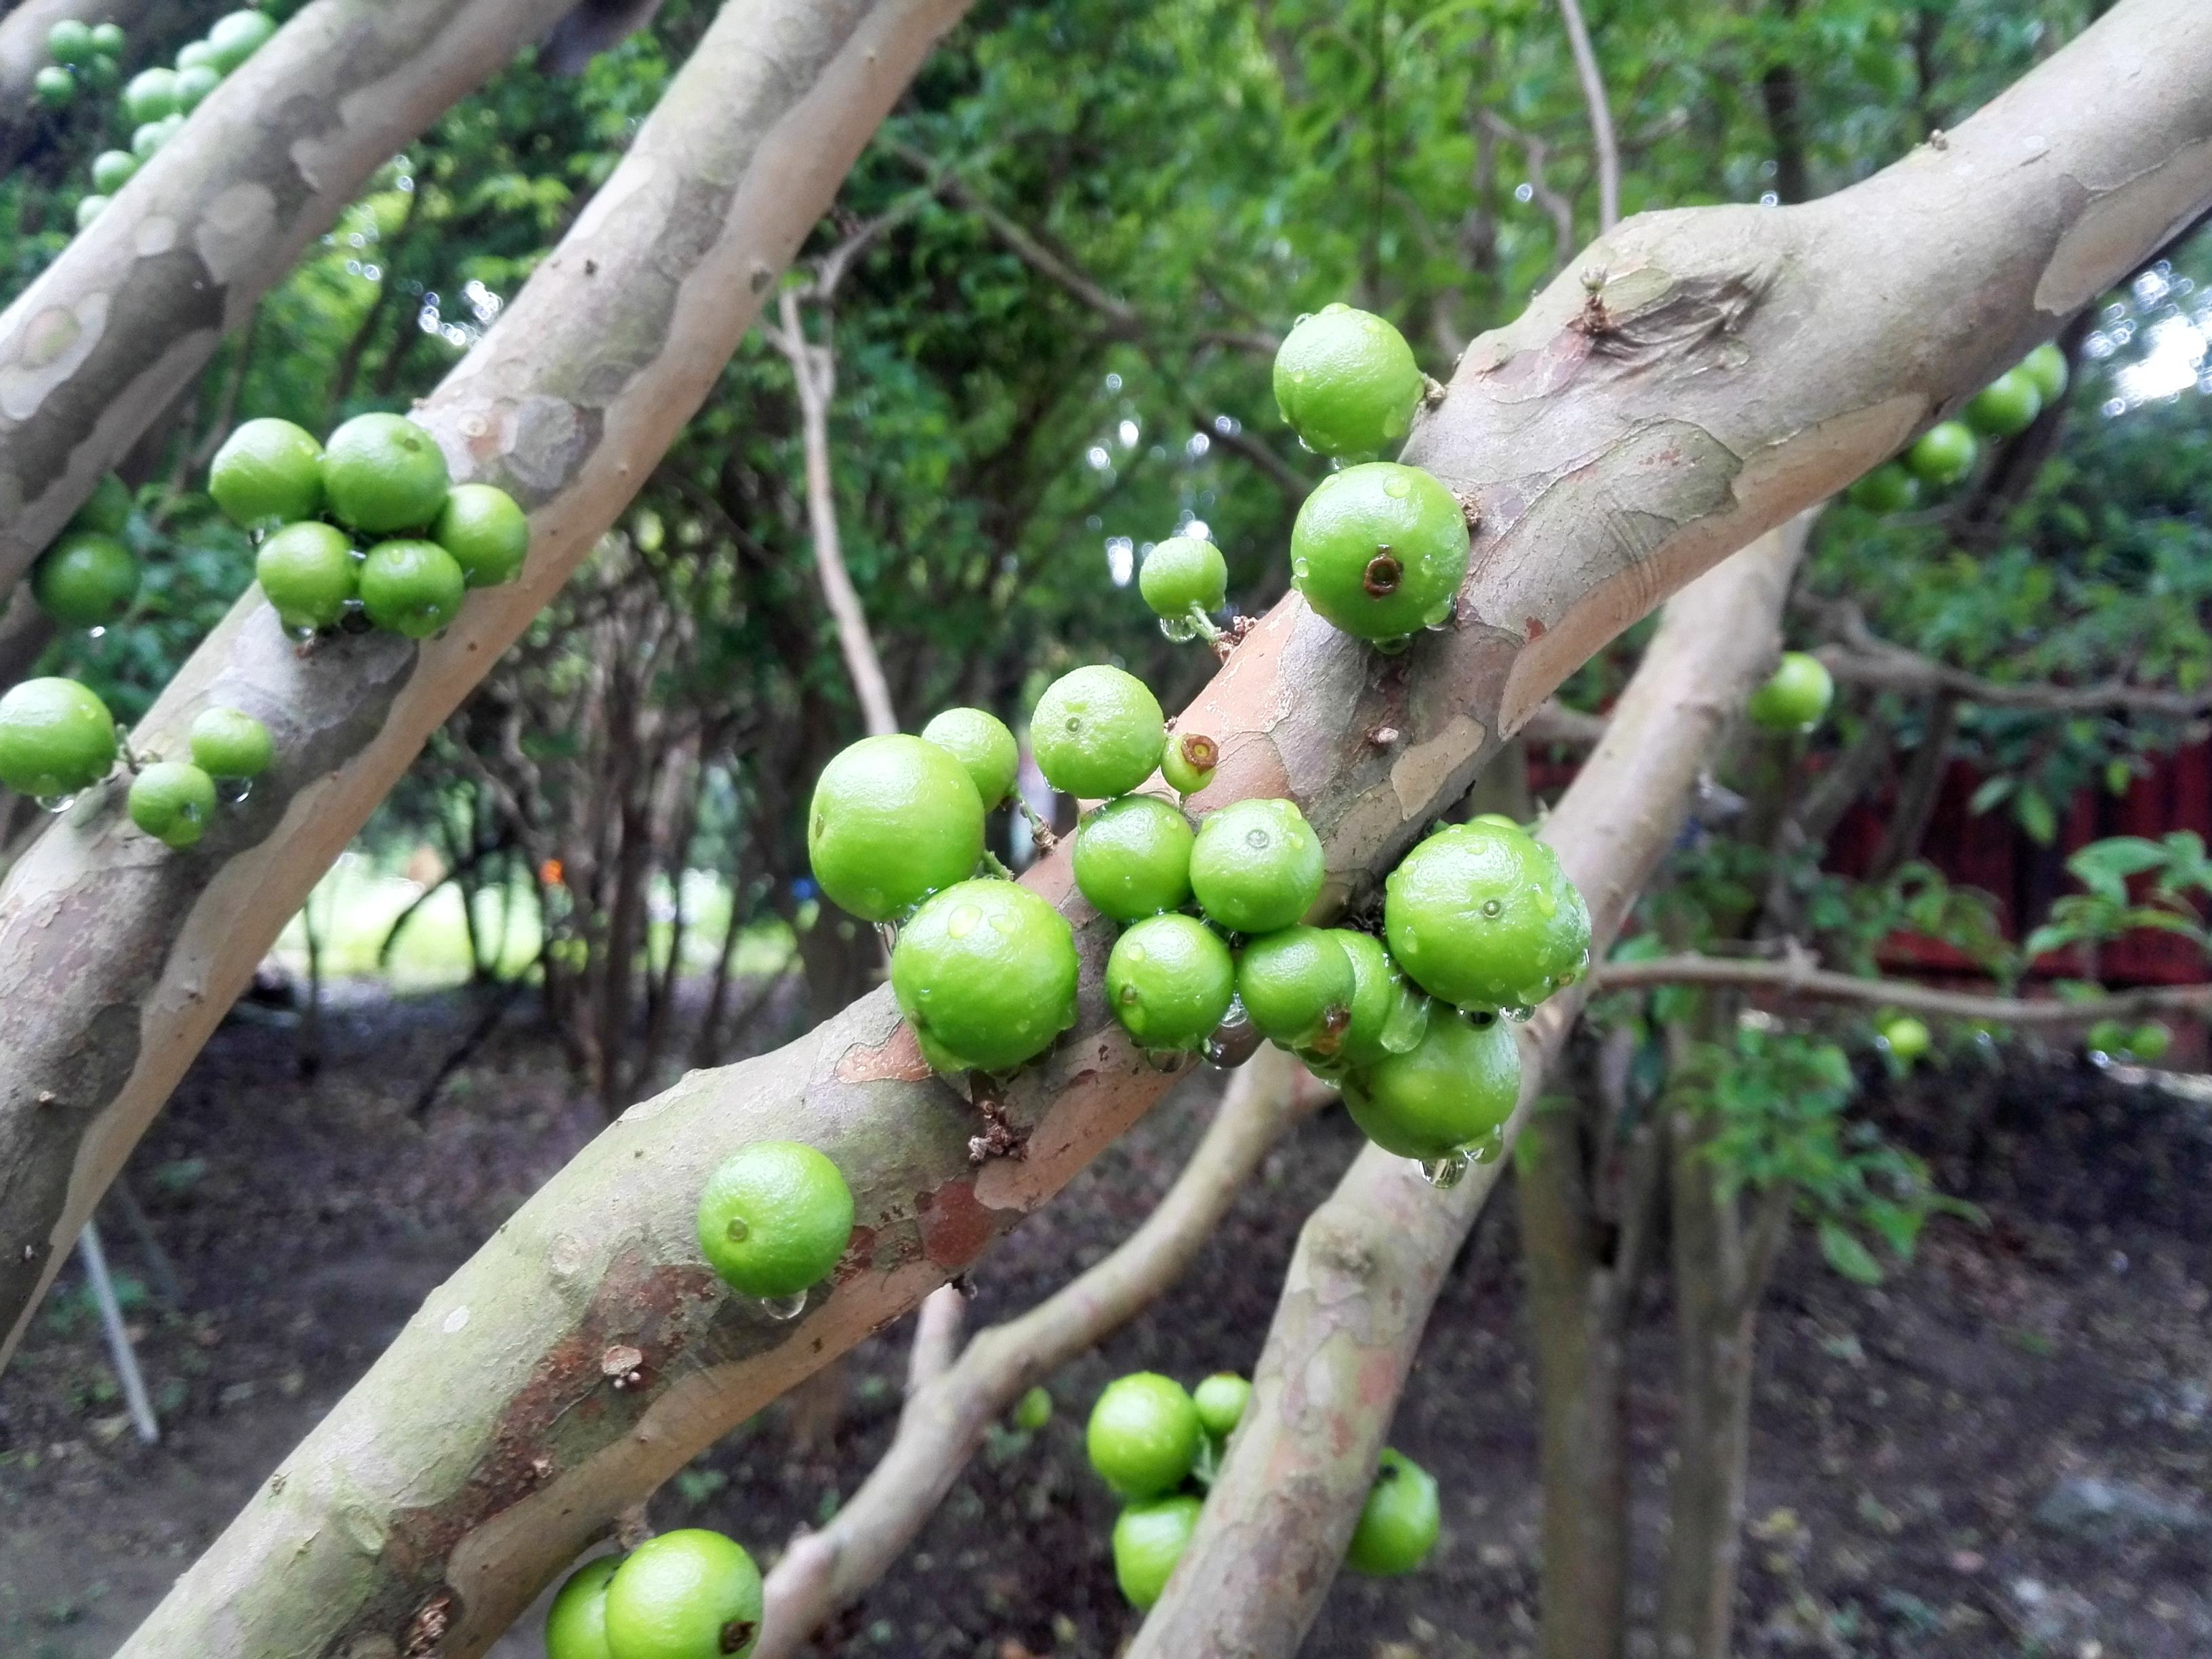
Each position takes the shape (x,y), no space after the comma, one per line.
(943,1426)
(118,956)
(1800,978)
(1734,367)
(1601,115)
(1862,657)
(134,307)
(1371,1259)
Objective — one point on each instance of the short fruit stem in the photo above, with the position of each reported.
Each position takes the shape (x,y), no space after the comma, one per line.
(1202,623)
(1040,831)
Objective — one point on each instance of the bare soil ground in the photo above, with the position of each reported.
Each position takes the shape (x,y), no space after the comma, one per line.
(2003,1452)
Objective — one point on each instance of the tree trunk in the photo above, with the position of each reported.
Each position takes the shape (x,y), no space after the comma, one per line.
(115,964)
(1370,1260)
(111,332)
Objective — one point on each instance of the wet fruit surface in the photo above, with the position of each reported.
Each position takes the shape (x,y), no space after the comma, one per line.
(1481,917)
(684,1595)
(1169,982)
(1143,1436)
(1380,551)
(1452,1090)
(56,738)
(1181,572)
(1347,380)
(980,741)
(1097,732)
(775,1218)
(1296,986)
(893,820)
(307,571)
(1149,1539)
(1399,1522)
(86,580)
(1794,697)
(411,587)
(172,801)
(484,529)
(383,473)
(1133,858)
(269,471)
(987,971)
(1256,865)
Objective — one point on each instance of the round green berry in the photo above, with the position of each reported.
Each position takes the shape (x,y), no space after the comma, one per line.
(685,1594)
(1481,917)
(1097,732)
(1347,381)
(1133,858)
(1221,1400)
(1183,573)
(2150,1042)
(89,208)
(1380,551)
(149,95)
(1169,980)
(102,74)
(1187,763)
(112,170)
(54,87)
(1033,1410)
(894,819)
(108,511)
(980,741)
(775,1218)
(86,580)
(1297,985)
(1256,865)
(237,36)
(172,801)
(1794,697)
(987,971)
(411,587)
(1890,488)
(2046,367)
(383,473)
(1379,1000)
(1149,1539)
(576,1623)
(195,54)
(1944,453)
(1908,1038)
(1398,1522)
(268,471)
(307,571)
(229,742)
(56,738)
(2007,406)
(485,531)
(1456,1086)
(1143,1434)
(108,40)
(70,42)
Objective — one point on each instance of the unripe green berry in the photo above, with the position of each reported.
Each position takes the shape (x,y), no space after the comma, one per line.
(1187,763)
(1133,858)
(1297,985)
(1097,732)
(1380,551)
(980,741)
(1169,980)
(1347,380)
(173,802)
(1181,572)
(1256,865)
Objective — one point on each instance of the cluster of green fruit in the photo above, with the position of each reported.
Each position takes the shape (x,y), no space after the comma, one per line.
(687,1594)
(1152,1442)
(1942,457)
(2147,1042)
(384,478)
(56,738)
(155,101)
(89,576)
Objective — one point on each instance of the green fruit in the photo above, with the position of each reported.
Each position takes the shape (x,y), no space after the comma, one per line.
(1378,996)
(112,170)
(108,511)
(102,74)
(85,579)
(1033,1411)
(979,740)
(1347,380)
(775,1218)
(383,473)
(685,1594)
(149,95)
(484,530)
(1794,697)
(1181,573)
(2046,367)
(2150,1042)
(1944,453)
(307,571)
(89,208)
(1296,986)
(1133,858)
(172,801)
(894,819)
(237,36)
(1187,763)
(53,87)
(171,124)
(70,42)
(1482,916)
(196,54)
(1149,1539)
(1380,551)
(1097,733)
(576,1623)
(1455,1088)
(1221,1400)
(229,743)
(1888,488)
(1907,1037)
(1143,1436)
(987,971)
(411,587)
(194,84)
(1169,980)
(148,138)
(108,40)
(2007,406)
(1256,865)
(56,738)
(268,471)
(1398,1522)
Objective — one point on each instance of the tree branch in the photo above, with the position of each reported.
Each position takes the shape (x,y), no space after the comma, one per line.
(1371,1259)
(1799,978)
(1560,209)
(943,1426)
(1600,117)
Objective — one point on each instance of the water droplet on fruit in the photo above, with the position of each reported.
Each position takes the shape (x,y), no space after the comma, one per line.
(302,634)
(1304,317)
(963,922)
(736,1231)
(1297,377)
(1177,629)
(1394,646)
(888,932)
(1298,569)
(1488,1148)
(784,1308)
(1397,489)
(1494,909)
(1164,1060)
(1446,1172)
(1136,953)
(1516,1012)
(1234,1041)
(56,803)
(1005,924)
(233,791)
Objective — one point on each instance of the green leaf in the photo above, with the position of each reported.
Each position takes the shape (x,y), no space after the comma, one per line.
(1992,791)
(1847,1255)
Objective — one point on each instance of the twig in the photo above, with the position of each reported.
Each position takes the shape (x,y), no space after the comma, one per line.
(1562,211)
(944,1423)
(1601,118)
(1799,977)
(1554,722)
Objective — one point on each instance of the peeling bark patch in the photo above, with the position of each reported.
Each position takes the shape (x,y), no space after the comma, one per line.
(54,347)
(955,1228)
(2098,247)
(234,232)
(897,1059)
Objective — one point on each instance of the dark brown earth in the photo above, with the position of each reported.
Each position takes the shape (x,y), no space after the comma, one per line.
(1907,1438)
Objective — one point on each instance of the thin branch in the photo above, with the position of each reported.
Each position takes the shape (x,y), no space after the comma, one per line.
(1554,722)
(1600,117)
(1800,978)
(936,1337)
(944,1423)
(1562,211)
